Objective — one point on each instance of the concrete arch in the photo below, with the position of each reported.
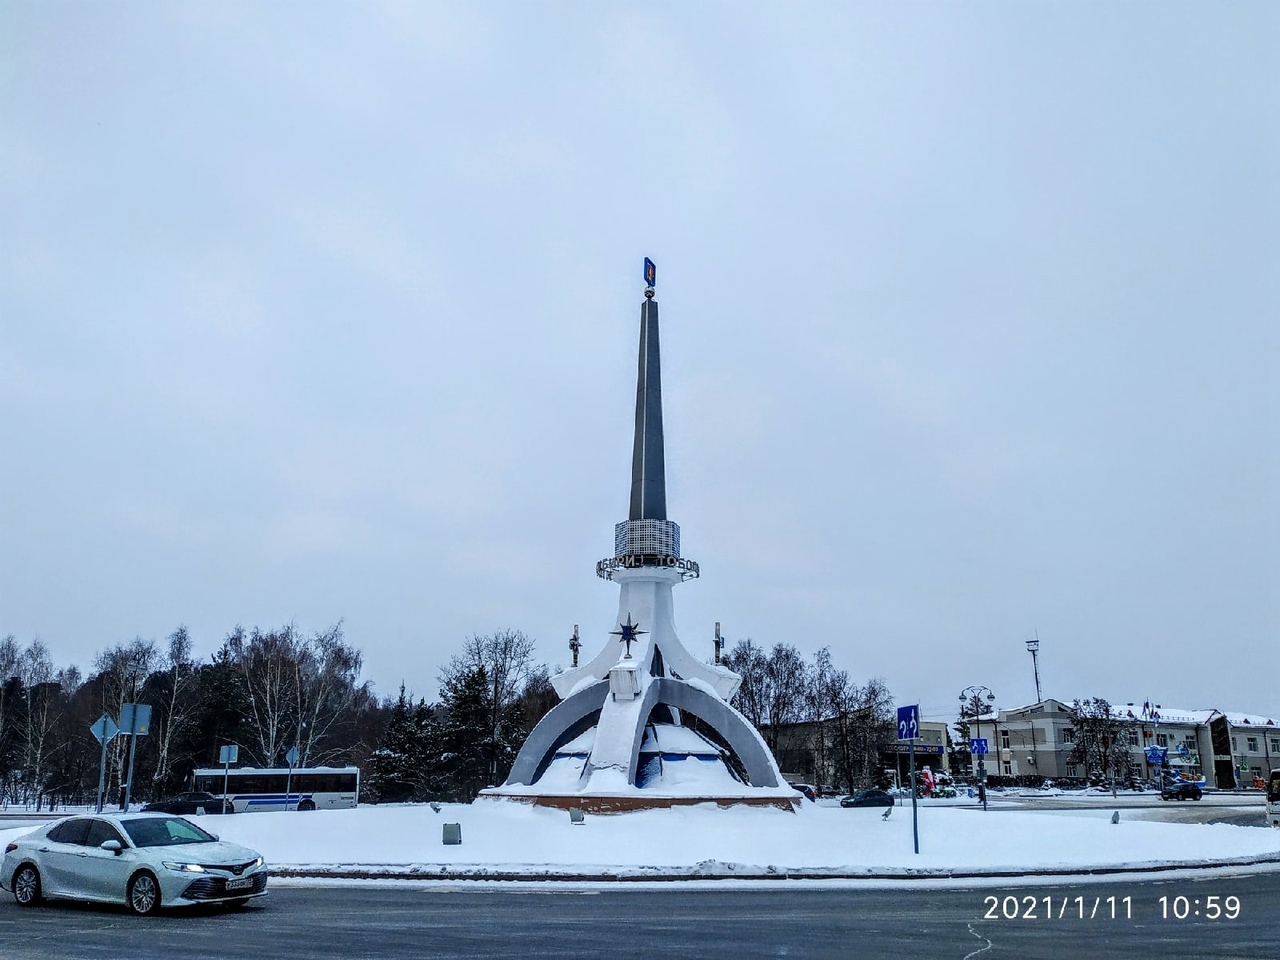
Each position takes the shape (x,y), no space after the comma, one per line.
(737,732)
(562,723)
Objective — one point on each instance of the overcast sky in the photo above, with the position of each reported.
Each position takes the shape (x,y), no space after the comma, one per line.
(328,311)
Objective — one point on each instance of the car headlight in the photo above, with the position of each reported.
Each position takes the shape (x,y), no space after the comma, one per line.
(188,867)
(257,863)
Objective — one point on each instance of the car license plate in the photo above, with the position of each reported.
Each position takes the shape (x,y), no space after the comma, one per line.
(241,884)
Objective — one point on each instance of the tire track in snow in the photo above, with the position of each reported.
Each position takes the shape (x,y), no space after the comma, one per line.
(980,937)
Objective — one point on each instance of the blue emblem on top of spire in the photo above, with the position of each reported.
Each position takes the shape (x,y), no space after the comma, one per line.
(650,273)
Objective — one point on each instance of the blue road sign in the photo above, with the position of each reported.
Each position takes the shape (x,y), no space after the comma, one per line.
(228,754)
(909,722)
(1156,754)
(292,757)
(977,746)
(650,273)
(104,728)
(135,719)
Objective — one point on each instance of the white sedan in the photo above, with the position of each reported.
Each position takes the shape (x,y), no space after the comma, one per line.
(147,860)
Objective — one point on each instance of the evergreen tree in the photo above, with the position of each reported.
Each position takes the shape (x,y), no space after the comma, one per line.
(468,748)
(406,764)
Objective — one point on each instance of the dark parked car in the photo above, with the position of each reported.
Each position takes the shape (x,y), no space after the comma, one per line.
(868,798)
(805,789)
(188,803)
(1180,790)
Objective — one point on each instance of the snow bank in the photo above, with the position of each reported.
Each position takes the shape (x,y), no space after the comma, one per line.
(499,833)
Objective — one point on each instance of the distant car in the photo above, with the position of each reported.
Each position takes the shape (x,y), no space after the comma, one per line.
(868,798)
(1180,790)
(191,803)
(806,789)
(145,860)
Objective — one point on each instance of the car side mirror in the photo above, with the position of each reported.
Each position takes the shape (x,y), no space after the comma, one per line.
(113,846)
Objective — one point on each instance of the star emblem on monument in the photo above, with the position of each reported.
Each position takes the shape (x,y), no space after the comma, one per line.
(629,633)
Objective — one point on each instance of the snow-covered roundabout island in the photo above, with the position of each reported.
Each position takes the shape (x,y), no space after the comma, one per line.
(512,841)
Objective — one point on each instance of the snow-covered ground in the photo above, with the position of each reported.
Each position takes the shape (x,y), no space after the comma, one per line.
(512,838)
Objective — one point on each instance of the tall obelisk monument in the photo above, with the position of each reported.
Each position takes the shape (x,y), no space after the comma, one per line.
(629,716)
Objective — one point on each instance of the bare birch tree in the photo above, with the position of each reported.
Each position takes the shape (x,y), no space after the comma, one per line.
(181,702)
(328,671)
(507,659)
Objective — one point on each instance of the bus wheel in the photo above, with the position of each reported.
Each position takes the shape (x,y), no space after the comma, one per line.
(307,805)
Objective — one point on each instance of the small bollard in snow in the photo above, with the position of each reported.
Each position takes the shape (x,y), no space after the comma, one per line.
(575,815)
(452,833)
(1115,817)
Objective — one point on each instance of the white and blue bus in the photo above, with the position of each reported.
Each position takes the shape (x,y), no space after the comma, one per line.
(253,790)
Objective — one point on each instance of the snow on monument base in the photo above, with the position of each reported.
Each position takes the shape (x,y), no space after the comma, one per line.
(677,766)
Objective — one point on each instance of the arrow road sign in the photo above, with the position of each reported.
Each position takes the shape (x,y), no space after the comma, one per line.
(104,728)
(909,722)
(977,746)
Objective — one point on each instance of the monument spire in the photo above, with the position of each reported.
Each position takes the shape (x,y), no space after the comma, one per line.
(648,467)
(644,702)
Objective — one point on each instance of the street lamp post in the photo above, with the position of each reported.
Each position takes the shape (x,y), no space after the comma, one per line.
(971,698)
(1033,646)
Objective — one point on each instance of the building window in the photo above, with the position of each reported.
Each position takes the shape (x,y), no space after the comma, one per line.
(1275,744)
(1071,770)
(1162,739)
(1068,736)
(1008,769)
(1004,739)
(1133,738)
(1253,744)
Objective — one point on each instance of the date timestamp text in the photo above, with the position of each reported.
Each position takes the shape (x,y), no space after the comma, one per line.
(1213,907)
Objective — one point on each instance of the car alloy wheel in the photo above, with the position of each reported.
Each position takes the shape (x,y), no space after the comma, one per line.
(144,894)
(26,886)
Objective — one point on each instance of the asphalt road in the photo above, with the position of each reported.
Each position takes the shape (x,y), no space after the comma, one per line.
(793,921)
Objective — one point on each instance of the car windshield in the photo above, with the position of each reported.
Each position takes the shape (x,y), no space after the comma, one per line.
(164,832)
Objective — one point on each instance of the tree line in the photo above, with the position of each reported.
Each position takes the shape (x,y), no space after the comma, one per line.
(819,723)
(264,691)
(267,691)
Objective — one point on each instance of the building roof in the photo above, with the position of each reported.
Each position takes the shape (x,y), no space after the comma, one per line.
(1166,714)
(1249,719)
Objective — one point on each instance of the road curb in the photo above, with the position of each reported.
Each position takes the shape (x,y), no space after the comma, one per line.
(733,871)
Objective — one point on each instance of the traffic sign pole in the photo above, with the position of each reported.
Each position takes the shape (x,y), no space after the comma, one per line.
(128,784)
(102,775)
(227,755)
(138,716)
(292,757)
(909,730)
(104,728)
(915,822)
